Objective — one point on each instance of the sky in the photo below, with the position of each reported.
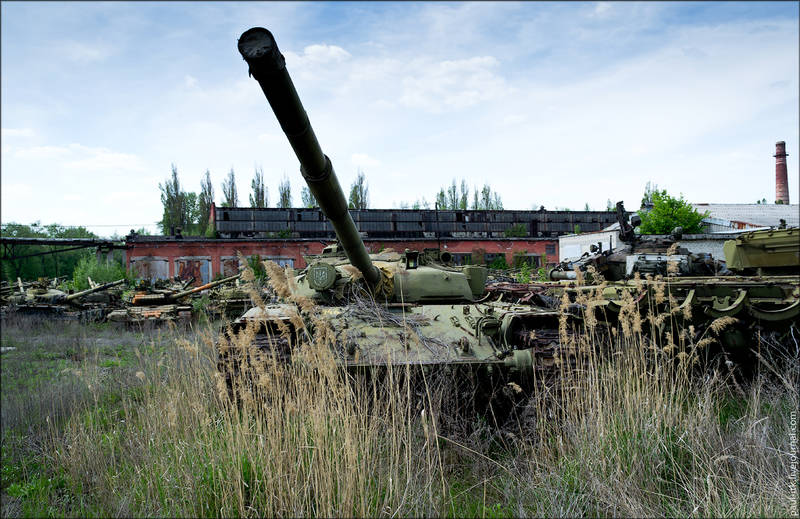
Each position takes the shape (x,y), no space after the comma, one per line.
(550,103)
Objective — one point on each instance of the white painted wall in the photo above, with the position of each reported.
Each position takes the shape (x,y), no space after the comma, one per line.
(572,246)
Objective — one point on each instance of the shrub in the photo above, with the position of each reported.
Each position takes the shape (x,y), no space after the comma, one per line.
(524,275)
(100,272)
(499,263)
(669,212)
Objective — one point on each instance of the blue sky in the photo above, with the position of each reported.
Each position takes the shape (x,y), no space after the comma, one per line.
(554,104)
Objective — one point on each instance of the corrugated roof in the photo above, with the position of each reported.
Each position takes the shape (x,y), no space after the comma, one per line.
(760,215)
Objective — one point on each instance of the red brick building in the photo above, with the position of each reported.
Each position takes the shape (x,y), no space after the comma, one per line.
(287,235)
(168,256)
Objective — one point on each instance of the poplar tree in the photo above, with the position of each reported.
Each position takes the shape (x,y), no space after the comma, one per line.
(359,192)
(285,194)
(229,191)
(259,196)
(204,203)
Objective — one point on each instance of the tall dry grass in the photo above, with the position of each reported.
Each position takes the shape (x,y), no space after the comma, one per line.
(635,429)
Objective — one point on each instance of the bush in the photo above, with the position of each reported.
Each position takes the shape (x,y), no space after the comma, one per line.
(669,212)
(524,275)
(99,272)
(499,263)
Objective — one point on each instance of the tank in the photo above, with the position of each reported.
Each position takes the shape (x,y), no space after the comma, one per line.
(639,254)
(162,306)
(765,252)
(41,299)
(414,308)
(229,302)
(399,308)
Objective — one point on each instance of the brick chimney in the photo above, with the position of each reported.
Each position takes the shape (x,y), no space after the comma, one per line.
(781,176)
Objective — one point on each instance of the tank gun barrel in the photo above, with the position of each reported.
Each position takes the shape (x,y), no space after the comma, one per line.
(184,293)
(162,299)
(267,65)
(98,288)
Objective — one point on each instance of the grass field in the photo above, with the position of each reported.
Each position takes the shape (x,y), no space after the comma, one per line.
(104,422)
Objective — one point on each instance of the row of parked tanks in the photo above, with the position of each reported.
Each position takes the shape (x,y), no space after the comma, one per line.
(155,302)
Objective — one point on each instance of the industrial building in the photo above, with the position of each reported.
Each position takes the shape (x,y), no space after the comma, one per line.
(286,236)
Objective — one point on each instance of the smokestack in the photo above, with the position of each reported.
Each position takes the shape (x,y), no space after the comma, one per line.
(781,176)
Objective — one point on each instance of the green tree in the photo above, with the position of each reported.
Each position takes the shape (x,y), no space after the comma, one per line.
(441,199)
(359,192)
(99,271)
(452,196)
(191,213)
(174,201)
(204,203)
(307,197)
(456,197)
(285,193)
(229,191)
(489,200)
(463,199)
(260,196)
(669,212)
(28,261)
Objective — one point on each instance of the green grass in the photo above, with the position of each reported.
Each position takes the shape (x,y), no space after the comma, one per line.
(98,421)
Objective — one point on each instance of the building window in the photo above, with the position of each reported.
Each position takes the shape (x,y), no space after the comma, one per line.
(462,258)
(550,249)
(490,257)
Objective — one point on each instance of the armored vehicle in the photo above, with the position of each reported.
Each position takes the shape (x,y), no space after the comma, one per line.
(229,302)
(410,307)
(162,306)
(765,252)
(40,299)
(642,254)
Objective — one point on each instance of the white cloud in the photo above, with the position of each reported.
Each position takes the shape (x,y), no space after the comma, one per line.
(84,158)
(190,81)
(17,132)
(84,52)
(40,152)
(364,160)
(102,160)
(72,197)
(315,55)
(452,84)
(602,9)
